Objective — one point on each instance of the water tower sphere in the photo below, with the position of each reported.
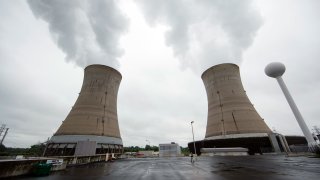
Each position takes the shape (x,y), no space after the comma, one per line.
(275,69)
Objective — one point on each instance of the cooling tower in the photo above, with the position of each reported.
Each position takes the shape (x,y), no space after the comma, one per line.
(232,120)
(230,111)
(91,127)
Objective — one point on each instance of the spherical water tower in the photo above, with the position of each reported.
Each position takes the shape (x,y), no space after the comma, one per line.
(276,70)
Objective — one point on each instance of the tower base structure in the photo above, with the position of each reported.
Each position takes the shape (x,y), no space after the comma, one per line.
(83,145)
(259,143)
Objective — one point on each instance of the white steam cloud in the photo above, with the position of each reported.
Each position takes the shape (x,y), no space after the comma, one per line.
(203,33)
(88,31)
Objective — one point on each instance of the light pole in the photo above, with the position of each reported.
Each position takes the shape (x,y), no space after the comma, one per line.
(194,144)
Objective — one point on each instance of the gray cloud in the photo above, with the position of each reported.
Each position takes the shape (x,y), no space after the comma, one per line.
(205,33)
(87,31)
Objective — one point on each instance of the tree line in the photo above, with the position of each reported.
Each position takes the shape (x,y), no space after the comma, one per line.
(34,150)
(37,150)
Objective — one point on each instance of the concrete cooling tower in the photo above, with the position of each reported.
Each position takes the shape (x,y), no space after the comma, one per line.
(92,126)
(232,119)
(230,111)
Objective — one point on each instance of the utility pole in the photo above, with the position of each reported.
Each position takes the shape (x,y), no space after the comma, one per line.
(5,133)
(3,126)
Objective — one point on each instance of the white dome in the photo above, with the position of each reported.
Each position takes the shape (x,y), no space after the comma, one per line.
(275,69)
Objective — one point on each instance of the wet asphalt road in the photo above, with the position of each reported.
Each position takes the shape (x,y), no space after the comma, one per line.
(245,167)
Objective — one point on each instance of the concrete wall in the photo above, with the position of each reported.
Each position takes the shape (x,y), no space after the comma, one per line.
(76,160)
(17,167)
(85,148)
(10,168)
(13,167)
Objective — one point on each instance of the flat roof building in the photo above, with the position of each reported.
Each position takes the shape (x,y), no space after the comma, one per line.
(169,150)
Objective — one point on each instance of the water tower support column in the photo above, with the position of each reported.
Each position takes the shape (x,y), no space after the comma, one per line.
(276,70)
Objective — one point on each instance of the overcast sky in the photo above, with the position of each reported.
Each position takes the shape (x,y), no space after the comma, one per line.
(161,48)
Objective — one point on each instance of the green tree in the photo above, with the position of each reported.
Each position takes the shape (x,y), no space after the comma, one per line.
(2,148)
(132,149)
(155,148)
(185,151)
(37,149)
(148,147)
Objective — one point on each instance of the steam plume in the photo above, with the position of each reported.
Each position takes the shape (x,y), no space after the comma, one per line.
(87,31)
(206,32)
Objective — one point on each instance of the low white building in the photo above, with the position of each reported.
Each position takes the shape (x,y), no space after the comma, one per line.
(169,150)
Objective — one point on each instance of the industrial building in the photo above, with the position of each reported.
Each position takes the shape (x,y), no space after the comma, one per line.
(169,150)
(91,127)
(232,119)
